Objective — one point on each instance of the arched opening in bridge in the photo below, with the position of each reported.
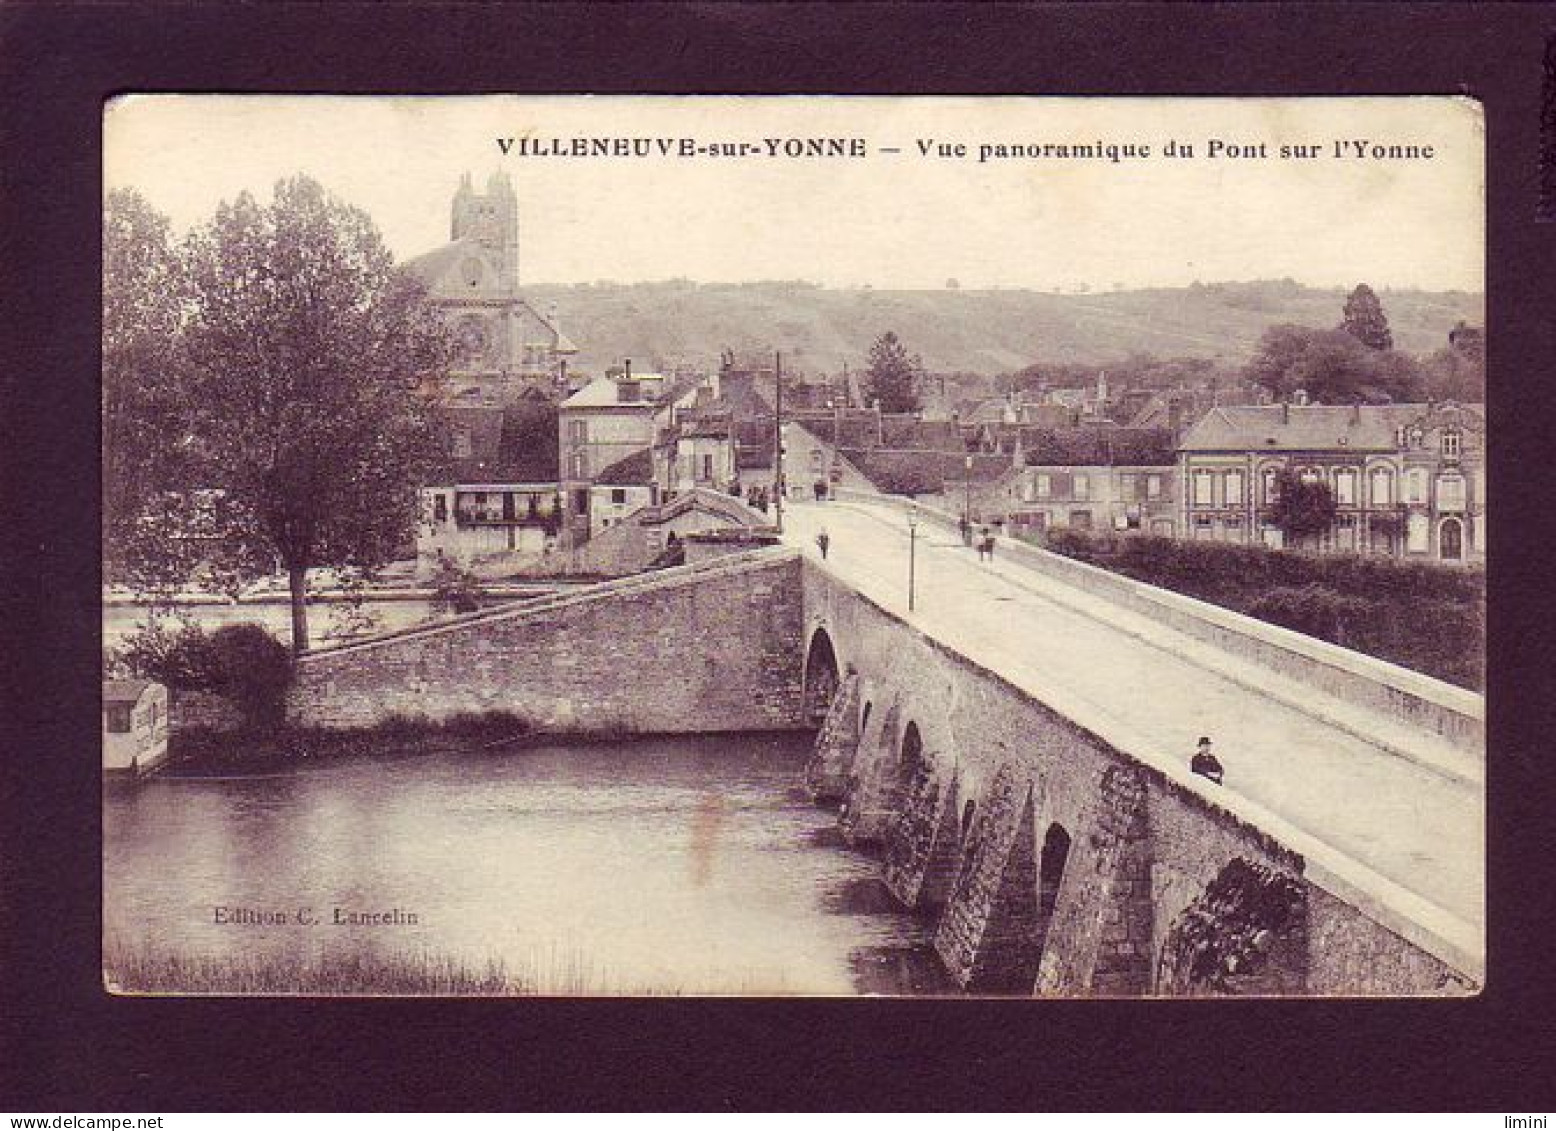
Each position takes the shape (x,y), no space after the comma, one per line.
(1050,874)
(821,677)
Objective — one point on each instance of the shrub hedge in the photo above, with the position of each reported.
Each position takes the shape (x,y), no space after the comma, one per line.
(1427,617)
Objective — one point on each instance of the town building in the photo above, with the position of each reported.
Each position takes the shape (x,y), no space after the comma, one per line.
(496,502)
(604,423)
(696,523)
(507,347)
(1101,478)
(135,726)
(1408,480)
(620,489)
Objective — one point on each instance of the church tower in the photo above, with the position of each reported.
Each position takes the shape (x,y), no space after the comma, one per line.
(491,219)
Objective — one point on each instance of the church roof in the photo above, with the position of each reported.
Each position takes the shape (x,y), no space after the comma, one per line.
(431,266)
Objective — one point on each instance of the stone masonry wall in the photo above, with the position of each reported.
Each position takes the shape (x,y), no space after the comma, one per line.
(1143,848)
(715,647)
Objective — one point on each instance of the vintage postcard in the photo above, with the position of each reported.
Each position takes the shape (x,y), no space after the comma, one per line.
(924,546)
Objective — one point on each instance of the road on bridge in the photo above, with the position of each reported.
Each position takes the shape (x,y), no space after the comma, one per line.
(1147,689)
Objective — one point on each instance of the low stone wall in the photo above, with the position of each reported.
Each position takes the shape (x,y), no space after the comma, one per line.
(202,710)
(710,647)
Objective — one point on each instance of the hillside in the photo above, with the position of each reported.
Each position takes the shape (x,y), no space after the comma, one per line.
(819,329)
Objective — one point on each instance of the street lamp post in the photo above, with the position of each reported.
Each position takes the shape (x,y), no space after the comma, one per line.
(912,545)
(967,466)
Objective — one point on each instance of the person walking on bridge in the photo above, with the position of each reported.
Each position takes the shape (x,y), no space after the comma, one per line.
(1206,764)
(823,540)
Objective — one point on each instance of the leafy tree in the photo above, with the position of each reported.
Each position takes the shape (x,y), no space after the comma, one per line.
(1332,367)
(306,350)
(1302,507)
(1365,320)
(146,453)
(893,375)
(1455,375)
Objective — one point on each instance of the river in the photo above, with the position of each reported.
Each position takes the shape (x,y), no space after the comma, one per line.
(670,865)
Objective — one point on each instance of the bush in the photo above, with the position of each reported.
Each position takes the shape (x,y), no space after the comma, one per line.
(455,590)
(241,662)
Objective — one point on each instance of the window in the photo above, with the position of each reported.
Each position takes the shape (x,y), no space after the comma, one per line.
(1128,486)
(1233,486)
(1082,486)
(1204,489)
(707,463)
(815,462)
(1080,520)
(580,502)
(1450,492)
(1153,486)
(1345,487)
(1203,526)
(1415,485)
(1271,477)
(1417,534)
(580,465)
(440,508)
(578,431)
(462,446)
(118,718)
(1044,485)
(619,496)
(1451,444)
(1382,487)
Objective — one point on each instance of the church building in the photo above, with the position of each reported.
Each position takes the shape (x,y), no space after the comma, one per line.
(508,348)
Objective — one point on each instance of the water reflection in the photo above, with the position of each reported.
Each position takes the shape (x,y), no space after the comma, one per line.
(689,865)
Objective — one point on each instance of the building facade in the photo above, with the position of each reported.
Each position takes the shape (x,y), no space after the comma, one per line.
(1096,479)
(507,347)
(1407,480)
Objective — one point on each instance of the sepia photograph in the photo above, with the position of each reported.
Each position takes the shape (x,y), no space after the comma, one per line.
(821,546)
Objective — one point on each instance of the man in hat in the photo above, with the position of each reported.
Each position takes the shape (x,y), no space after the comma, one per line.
(1205,763)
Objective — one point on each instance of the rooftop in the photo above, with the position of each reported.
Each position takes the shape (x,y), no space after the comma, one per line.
(1312,427)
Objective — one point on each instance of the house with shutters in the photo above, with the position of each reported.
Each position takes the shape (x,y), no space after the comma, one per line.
(1408,480)
(1099,477)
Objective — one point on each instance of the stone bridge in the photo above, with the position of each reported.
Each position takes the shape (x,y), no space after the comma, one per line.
(1016,746)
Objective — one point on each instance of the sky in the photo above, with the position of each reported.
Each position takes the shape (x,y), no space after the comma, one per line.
(888,219)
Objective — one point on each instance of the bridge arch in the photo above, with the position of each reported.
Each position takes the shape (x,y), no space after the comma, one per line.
(821,678)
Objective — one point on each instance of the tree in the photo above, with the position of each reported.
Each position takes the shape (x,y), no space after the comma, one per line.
(1332,367)
(306,351)
(893,376)
(1365,320)
(1302,507)
(146,454)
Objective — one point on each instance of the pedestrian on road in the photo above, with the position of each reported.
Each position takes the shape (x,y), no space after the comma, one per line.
(966,528)
(985,544)
(823,540)
(1206,764)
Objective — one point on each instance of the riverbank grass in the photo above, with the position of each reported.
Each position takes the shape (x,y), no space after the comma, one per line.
(553,972)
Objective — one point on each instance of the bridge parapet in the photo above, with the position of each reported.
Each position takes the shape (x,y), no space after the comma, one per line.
(1329,676)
